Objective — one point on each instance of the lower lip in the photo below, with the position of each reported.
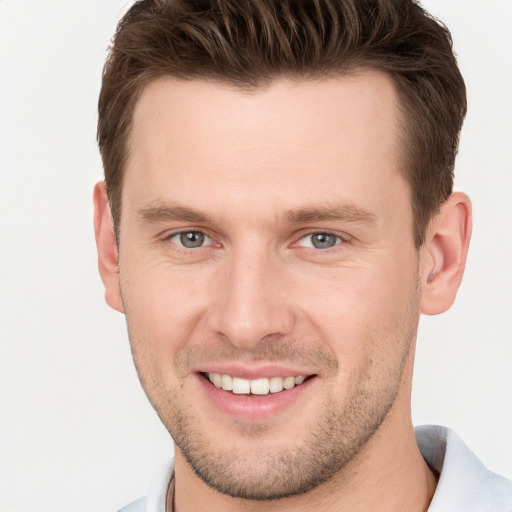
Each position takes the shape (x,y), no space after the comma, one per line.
(251,408)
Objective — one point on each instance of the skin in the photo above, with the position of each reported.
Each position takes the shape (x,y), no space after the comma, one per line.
(257,173)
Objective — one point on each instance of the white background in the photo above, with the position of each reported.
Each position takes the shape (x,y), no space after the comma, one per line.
(76,431)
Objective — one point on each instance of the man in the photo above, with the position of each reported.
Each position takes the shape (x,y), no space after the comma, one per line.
(277,212)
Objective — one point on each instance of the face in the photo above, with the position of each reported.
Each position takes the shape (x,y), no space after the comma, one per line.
(268,275)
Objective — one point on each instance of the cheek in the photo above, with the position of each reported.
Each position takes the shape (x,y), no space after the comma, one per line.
(163,308)
(362,310)
(160,291)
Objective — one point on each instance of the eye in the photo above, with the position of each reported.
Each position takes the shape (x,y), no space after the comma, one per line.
(190,239)
(320,240)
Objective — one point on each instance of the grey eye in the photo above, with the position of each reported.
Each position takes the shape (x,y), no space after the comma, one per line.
(323,240)
(320,240)
(190,239)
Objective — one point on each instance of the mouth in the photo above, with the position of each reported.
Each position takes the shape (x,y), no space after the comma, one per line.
(255,387)
(251,395)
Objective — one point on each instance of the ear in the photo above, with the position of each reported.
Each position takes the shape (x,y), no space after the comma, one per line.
(108,263)
(443,256)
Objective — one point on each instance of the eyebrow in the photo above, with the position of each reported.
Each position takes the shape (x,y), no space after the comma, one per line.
(172,213)
(346,213)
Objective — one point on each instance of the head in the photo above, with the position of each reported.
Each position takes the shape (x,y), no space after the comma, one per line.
(251,44)
(272,171)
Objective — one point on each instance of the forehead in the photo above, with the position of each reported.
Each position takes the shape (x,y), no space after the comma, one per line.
(290,141)
(287,109)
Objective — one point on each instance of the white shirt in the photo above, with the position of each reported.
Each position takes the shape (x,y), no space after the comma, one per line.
(465,485)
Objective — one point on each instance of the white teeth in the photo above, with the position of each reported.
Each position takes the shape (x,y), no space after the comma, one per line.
(289,382)
(241,386)
(227,383)
(276,384)
(217,380)
(262,386)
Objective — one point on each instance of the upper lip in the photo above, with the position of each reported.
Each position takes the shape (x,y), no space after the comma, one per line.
(252,371)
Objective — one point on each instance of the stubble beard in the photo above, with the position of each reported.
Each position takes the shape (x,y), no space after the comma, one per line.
(332,441)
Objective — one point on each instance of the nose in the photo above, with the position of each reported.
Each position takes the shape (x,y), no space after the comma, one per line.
(252,301)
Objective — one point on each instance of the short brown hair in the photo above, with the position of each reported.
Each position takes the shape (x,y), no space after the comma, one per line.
(250,43)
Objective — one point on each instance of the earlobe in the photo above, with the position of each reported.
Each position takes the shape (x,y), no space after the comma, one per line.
(443,256)
(107,248)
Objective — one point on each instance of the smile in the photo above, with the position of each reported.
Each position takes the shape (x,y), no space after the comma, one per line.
(262,386)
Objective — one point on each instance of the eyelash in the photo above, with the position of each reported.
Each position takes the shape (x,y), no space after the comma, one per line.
(169,237)
(340,240)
